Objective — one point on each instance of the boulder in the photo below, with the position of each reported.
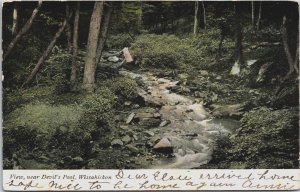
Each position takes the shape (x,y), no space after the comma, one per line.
(113,59)
(163,146)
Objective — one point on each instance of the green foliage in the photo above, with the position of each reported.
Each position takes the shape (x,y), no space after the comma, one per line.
(118,41)
(14,99)
(123,87)
(267,139)
(40,116)
(98,110)
(128,18)
(164,51)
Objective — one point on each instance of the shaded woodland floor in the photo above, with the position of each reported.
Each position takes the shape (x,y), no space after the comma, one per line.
(224,96)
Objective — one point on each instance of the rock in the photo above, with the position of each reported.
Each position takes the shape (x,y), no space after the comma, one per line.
(163,146)
(149,133)
(127,103)
(147,115)
(164,123)
(113,59)
(132,149)
(262,71)
(236,68)
(117,142)
(149,122)
(126,139)
(78,160)
(219,77)
(130,118)
(251,62)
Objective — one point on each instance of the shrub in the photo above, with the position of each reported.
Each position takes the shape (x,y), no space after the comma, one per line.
(122,87)
(39,129)
(98,110)
(267,139)
(118,41)
(40,117)
(164,51)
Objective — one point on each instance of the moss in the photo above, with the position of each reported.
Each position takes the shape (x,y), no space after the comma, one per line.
(123,87)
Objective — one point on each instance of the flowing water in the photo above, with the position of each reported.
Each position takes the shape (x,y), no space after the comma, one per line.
(191,131)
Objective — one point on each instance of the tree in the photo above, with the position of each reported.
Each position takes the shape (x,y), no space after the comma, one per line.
(204,16)
(24,29)
(104,29)
(91,50)
(15,20)
(46,53)
(238,52)
(75,44)
(259,16)
(293,63)
(252,14)
(196,18)
(68,29)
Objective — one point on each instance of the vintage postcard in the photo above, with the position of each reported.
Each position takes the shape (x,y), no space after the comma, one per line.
(150,95)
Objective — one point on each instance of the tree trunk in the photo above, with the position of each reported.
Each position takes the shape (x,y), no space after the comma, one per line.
(259,16)
(91,51)
(196,18)
(45,54)
(24,29)
(68,28)
(238,52)
(219,54)
(75,44)
(293,63)
(15,20)
(104,29)
(204,16)
(252,14)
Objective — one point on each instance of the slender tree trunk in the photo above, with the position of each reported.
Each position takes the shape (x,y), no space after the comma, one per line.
(196,18)
(238,52)
(74,69)
(293,63)
(204,16)
(68,29)
(91,51)
(219,55)
(15,20)
(252,14)
(238,35)
(45,54)
(104,29)
(259,16)
(24,29)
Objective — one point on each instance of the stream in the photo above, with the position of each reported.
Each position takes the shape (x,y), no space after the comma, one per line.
(190,130)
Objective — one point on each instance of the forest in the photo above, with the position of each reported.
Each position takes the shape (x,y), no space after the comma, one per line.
(150,84)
